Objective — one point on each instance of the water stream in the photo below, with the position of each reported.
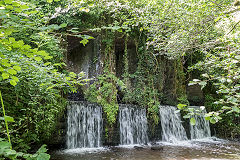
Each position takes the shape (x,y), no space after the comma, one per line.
(172,128)
(85,128)
(133,125)
(201,129)
(84,125)
(205,149)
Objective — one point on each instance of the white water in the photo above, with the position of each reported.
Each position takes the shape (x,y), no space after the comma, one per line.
(84,125)
(133,125)
(85,150)
(172,128)
(201,129)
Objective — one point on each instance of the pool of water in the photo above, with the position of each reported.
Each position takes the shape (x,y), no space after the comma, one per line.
(204,149)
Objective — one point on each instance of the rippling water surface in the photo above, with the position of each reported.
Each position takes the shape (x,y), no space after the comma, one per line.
(204,149)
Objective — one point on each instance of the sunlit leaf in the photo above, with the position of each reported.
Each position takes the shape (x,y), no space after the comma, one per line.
(187,116)
(5,76)
(236,109)
(84,42)
(38,58)
(192,121)
(63,25)
(17,68)
(8,1)
(13,82)
(9,119)
(12,71)
(49,1)
(213,120)
(15,79)
(181,106)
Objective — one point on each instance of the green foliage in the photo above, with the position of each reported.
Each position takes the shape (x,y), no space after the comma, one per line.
(227,125)
(103,91)
(178,30)
(7,153)
(183,100)
(221,68)
(192,121)
(31,80)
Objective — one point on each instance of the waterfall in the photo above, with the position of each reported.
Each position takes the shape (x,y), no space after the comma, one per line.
(172,128)
(84,125)
(133,125)
(97,61)
(201,129)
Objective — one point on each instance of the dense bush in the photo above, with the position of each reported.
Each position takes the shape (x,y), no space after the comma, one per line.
(31,85)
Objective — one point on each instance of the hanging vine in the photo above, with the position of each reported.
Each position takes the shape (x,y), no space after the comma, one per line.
(104,90)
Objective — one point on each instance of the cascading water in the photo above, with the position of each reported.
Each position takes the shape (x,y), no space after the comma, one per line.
(97,62)
(133,125)
(84,125)
(172,128)
(201,129)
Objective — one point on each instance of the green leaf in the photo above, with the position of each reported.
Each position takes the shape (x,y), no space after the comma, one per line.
(48,57)
(1,69)
(42,149)
(26,47)
(224,91)
(217,19)
(233,100)
(205,75)
(84,42)
(5,76)
(20,154)
(38,58)
(187,116)
(203,84)
(18,68)
(11,153)
(181,106)
(49,1)
(18,10)
(207,118)
(9,119)
(63,25)
(238,57)
(72,74)
(191,109)
(236,109)
(218,117)
(42,53)
(9,7)
(5,145)
(43,156)
(15,79)
(213,120)
(8,1)
(16,4)
(13,82)
(229,112)
(12,71)
(48,63)
(226,107)
(192,121)
(24,7)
